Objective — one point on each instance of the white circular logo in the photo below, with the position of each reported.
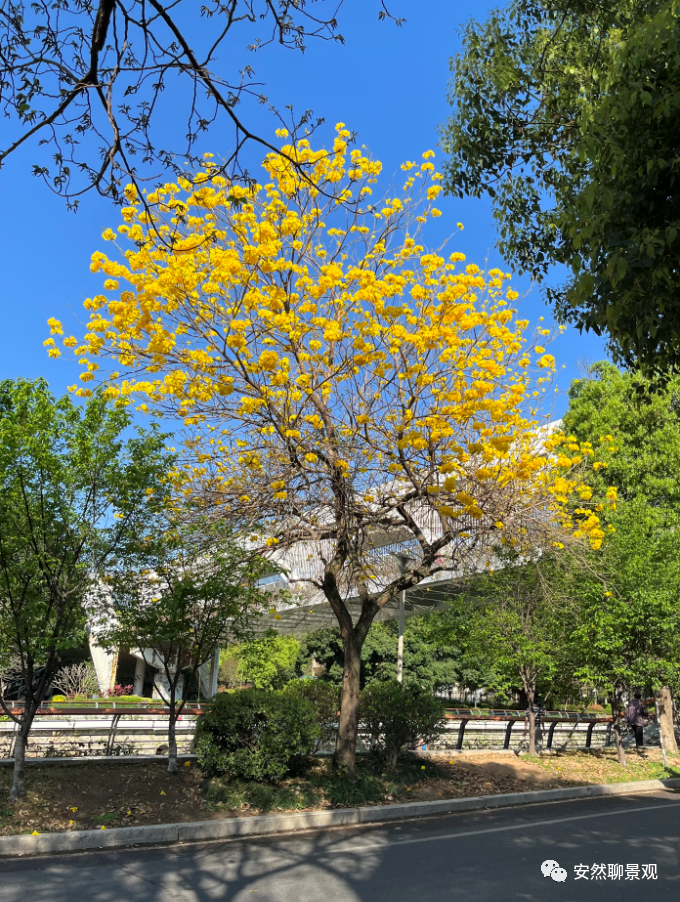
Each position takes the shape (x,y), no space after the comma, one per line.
(558,874)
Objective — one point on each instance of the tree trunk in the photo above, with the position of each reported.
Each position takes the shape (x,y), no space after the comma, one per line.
(348,726)
(172,745)
(172,725)
(666,723)
(18,788)
(532,721)
(616,726)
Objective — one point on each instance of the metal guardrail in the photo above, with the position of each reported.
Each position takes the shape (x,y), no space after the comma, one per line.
(493,713)
(465,715)
(109,708)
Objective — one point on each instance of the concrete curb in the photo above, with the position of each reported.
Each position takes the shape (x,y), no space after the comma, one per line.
(119,837)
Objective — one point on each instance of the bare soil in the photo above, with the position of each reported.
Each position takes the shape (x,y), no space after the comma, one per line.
(90,795)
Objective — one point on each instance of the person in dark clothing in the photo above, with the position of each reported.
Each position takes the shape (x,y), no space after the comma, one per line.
(636,717)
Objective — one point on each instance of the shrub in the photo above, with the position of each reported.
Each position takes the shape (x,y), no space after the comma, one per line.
(76,680)
(58,698)
(255,734)
(396,714)
(123,690)
(326,701)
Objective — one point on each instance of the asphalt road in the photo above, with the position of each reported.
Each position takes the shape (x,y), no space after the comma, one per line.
(488,856)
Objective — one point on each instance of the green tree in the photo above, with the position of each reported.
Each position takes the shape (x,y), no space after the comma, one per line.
(176,597)
(644,460)
(565,114)
(641,558)
(435,653)
(267,661)
(519,614)
(398,714)
(626,626)
(73,492)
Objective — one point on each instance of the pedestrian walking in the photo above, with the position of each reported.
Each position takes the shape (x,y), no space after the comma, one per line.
(636,717)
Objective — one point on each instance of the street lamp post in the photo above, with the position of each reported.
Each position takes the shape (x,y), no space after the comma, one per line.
(404,560)
(400,641)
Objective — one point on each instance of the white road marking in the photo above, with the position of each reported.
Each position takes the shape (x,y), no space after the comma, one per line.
(523,826)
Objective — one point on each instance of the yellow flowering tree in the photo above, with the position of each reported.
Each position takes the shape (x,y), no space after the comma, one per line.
(342,388)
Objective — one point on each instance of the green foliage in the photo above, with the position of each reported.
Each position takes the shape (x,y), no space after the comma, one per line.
(180,594)
(565,113)
(435,653)
(325,697)
(644,420)
(324,783)
(74,492)
(520,614)
(399,714)
(629,617)
(628,622)
(267,661)
(256,735)
(263,797)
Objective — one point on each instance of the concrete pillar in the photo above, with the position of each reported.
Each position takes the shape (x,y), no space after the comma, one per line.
(214,672)
(105,664)
(140,668)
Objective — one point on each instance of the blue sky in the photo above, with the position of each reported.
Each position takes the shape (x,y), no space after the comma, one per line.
(389,84)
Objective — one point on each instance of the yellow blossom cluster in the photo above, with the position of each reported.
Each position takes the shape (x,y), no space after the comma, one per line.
(318,352)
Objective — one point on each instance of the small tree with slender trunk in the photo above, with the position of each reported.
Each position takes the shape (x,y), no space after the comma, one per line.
(174,600)
(72,492)
(519,615)
(343,389)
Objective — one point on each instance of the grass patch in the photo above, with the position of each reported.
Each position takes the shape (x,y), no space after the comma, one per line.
(236,795)
(323,786)
(106,818)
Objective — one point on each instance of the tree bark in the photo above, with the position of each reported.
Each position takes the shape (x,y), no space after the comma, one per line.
(666,723)
(173,680)
(18,787)
(616,726)
(348,726)
(172,744)
(619,742)
(532,723)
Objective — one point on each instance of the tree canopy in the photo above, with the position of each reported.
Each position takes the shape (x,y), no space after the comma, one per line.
(565,114)
(175,597)
(435,653)
(643,460)
(266,661)
(74,491)
(520,615)
(628,617)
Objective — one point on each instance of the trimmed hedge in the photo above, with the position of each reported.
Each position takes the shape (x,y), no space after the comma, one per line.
(325,698)
(256,734)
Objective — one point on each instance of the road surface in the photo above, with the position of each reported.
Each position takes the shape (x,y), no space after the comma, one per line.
(488,856)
